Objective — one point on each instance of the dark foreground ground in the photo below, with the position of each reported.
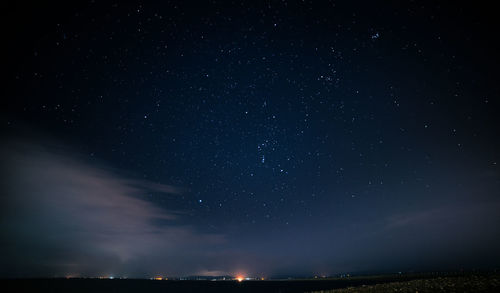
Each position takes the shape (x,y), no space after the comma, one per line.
(391,283)
(441,284)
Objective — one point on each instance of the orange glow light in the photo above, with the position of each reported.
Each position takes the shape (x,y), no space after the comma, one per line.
(240,278)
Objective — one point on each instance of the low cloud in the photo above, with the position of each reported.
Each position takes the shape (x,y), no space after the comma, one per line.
(64,216)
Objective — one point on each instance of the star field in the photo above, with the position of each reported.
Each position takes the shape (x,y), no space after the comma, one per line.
(298,137)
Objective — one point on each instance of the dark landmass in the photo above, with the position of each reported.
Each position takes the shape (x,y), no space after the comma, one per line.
(437,282)
(470,283)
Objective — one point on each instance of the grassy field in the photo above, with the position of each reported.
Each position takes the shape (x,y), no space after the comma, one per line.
(470,283)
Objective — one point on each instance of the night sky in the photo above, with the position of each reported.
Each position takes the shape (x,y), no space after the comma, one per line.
(262,138)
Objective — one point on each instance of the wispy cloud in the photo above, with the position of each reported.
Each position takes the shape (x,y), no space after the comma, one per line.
(452,214)
(63,215)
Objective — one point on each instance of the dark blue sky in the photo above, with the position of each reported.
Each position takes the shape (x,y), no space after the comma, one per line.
(260,138)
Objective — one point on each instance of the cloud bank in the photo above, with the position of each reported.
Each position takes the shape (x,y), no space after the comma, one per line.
(63,216)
